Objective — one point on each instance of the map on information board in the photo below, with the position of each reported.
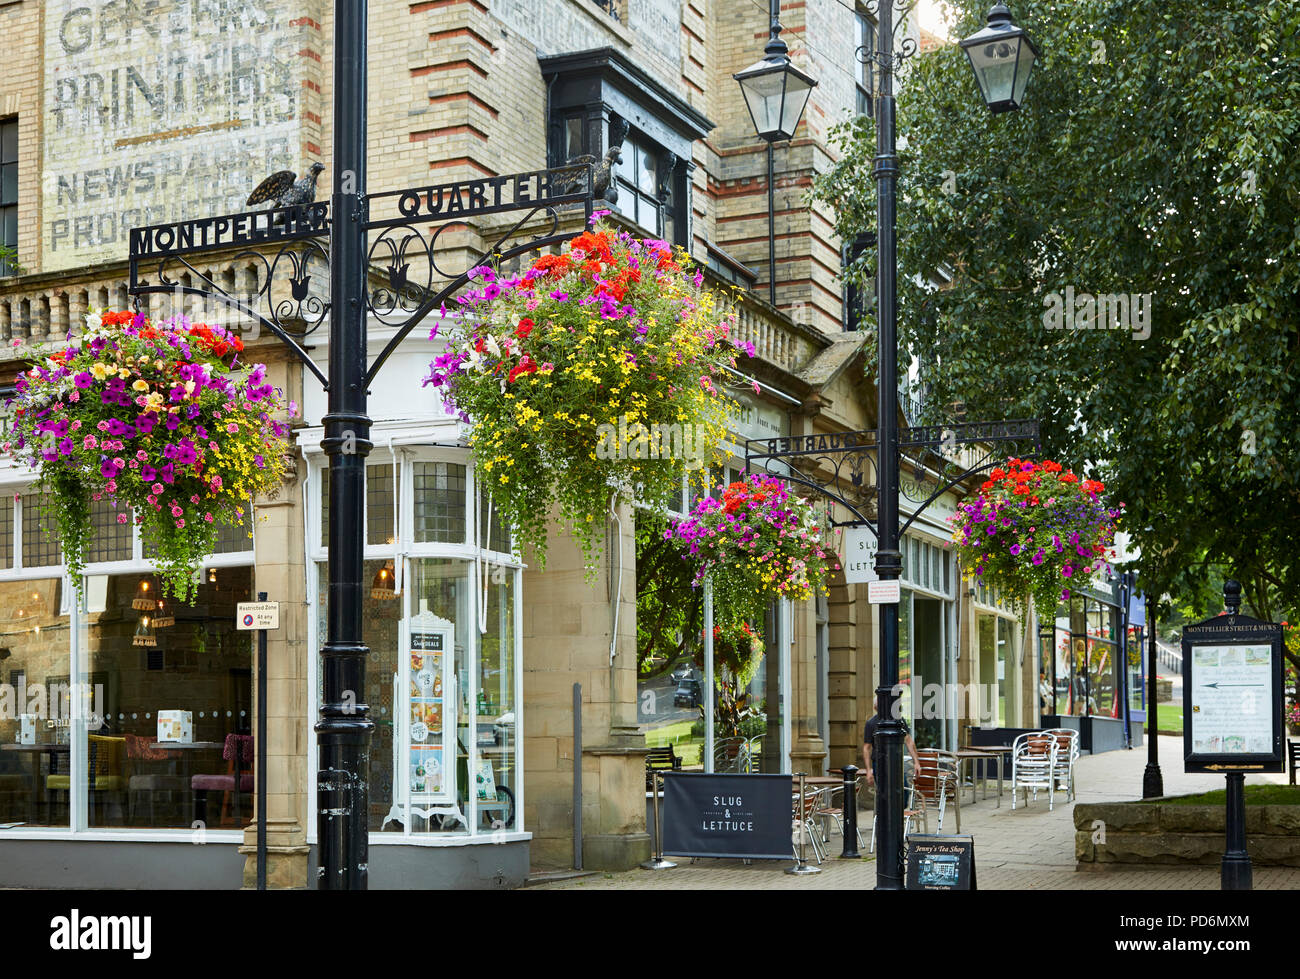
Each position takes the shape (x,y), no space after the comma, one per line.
(1231,711)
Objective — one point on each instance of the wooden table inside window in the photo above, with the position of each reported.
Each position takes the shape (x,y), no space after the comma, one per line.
(204,746)
(35,752)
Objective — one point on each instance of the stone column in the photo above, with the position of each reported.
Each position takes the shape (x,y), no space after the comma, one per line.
(281,573)
(848,663)
(58,307)
(77,309)
(807,749)
(566,625)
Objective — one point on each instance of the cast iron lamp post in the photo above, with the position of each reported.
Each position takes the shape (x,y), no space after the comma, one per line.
(1002,56)
(990,50)
(775,93)
(1126,581)
(344,729)
(1153,783)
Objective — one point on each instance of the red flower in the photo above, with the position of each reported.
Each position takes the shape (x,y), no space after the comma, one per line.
(524,328)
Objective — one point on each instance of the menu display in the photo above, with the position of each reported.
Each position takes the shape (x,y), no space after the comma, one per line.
(431,776)
(1231,699)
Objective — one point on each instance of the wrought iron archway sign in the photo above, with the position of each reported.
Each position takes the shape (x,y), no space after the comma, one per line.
(843,466)
(411,269)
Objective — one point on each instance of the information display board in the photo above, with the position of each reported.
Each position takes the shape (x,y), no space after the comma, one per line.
(1232,695)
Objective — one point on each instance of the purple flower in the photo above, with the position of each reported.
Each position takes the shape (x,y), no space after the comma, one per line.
(1038,556)
(558,295)
(1015,550)
(83,380)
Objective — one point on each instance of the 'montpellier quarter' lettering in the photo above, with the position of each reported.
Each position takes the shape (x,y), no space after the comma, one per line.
(277,224)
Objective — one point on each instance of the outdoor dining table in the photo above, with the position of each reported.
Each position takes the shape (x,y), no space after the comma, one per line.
(36,750)
(983,753)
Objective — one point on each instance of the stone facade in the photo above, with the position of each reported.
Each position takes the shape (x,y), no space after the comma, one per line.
(455,92)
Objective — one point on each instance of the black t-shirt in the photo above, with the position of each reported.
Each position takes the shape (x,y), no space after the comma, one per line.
(869,737)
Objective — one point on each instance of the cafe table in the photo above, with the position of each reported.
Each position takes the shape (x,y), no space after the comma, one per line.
(204,746)
(36,750)
(985,753)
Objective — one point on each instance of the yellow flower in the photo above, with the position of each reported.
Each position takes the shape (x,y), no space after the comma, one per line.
(99,371)
(140,385)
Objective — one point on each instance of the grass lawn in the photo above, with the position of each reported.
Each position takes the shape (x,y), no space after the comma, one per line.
(678,735)
(1256,795)
(1170,718)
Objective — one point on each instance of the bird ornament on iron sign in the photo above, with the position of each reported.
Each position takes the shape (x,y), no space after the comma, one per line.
(285,189)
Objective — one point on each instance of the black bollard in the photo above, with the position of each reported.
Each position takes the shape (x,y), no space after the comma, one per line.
(850,773)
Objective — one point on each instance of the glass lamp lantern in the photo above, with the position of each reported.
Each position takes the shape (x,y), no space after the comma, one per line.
(776,93)
(1002,56)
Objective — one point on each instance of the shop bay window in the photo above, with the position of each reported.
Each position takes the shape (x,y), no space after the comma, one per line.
(86,678)
(927,622)
(441,622)
(1087,657)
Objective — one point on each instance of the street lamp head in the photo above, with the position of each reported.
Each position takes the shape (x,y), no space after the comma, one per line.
(1002,56)
(775,91)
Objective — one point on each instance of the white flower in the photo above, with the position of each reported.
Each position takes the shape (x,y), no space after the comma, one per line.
(93,322)
(493,346)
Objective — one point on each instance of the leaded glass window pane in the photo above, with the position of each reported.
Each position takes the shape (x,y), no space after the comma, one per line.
(40,541)
(111,539)
(381,505)
(440,503)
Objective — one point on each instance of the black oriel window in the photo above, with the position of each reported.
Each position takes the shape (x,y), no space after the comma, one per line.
(646,186)
(862,70)
(8,191)
(603,108)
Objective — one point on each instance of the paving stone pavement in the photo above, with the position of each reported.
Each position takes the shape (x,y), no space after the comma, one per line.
(1022,849)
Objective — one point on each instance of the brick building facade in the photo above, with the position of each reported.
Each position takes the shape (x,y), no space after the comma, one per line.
(136,114)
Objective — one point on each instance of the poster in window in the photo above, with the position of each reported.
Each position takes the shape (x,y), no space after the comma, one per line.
(430,774)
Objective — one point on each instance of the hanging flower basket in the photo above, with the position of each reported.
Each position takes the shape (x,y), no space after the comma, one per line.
(1033,531)
(737,653)
(595,376)
(757,542)
(156,420)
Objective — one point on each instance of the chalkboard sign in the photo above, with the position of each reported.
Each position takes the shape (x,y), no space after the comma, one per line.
(940,863)
(728,815)
(1232,695)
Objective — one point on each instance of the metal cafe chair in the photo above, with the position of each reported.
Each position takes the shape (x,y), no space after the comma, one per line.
(1033,766)
(910,811)
(731,755)
(935,784)
(804,820)
(1067,755)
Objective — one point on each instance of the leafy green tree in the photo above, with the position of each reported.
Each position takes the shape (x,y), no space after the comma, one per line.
(1154,157)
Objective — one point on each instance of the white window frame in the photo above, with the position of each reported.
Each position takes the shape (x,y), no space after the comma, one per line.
(413,447)
(19,481)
